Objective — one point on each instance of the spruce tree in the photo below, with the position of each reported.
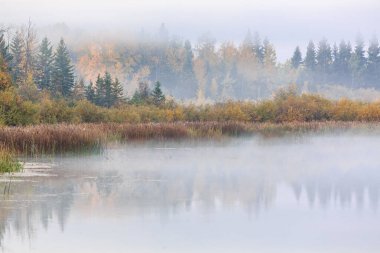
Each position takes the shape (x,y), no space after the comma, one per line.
(310,59)
(258,47)
(108,94)
(117,91)
(373,64)
(358,64)
(100,92)
(18,59)
(90,93)
(158,97)
(297,58)
(63,71)
(324,60)
(44,65)
(188,78)
(4,51)
(343,62)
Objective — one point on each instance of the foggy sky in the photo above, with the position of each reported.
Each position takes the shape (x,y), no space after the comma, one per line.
(287,23)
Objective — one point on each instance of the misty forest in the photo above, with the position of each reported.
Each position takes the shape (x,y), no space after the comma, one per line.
(204,71)
(119,140)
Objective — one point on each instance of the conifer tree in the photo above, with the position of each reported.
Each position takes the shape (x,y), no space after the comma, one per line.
(358,63)
(90,93)
(343,63)
(4,50)
(108,94)
(44,65)
(63,71)
(258,47)
(117,91)
(157,95)
(297,58)
(310,59)
(324,60)
(188,77)
(373,64)
(99,91)
(18,59)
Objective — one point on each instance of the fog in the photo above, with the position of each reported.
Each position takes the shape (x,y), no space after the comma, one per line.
(286,22)
(254,194)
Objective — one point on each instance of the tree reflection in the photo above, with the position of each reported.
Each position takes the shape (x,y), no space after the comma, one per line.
(166,192)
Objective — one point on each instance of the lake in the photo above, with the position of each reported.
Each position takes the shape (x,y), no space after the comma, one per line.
(310,193)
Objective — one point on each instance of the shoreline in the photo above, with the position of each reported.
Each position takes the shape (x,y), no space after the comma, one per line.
(40,139)
(36,140)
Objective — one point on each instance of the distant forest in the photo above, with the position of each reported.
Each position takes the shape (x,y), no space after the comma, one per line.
(204,71)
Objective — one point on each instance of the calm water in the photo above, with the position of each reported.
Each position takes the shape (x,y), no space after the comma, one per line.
(305,194)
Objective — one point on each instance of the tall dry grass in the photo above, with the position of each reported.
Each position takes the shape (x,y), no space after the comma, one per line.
(59,138)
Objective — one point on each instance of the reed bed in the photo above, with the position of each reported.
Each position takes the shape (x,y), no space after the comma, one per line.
(58,138)
(8,162)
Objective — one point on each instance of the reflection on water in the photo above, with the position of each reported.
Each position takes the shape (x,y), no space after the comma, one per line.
(282,195)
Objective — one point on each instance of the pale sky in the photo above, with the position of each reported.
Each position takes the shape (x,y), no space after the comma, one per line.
(287,23)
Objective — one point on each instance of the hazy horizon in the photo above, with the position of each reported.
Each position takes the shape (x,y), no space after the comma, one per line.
(286,23)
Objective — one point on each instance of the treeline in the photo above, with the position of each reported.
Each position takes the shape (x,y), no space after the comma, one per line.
(204,71)
(36,67)
(339,64)
(208,70)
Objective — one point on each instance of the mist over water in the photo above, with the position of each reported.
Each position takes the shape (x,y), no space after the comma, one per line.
(286,194)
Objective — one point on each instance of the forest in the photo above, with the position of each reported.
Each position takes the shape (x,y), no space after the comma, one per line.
(106,72)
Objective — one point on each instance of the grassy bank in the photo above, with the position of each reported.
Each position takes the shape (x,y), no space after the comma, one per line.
(57,138)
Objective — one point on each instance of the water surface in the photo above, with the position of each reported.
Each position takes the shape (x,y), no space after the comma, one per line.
(299,194)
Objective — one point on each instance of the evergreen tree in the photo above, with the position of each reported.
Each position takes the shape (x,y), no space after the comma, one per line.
(157,95)
(310,59)
(258,48)
(18,59)
(324,60)
(44,65)
(187,74)
(100,91)
(108,94)
(358,64)
(373,64)
(297,58)
(90,93)
(4,50)
(343,63)
(63,71)
(117,91)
